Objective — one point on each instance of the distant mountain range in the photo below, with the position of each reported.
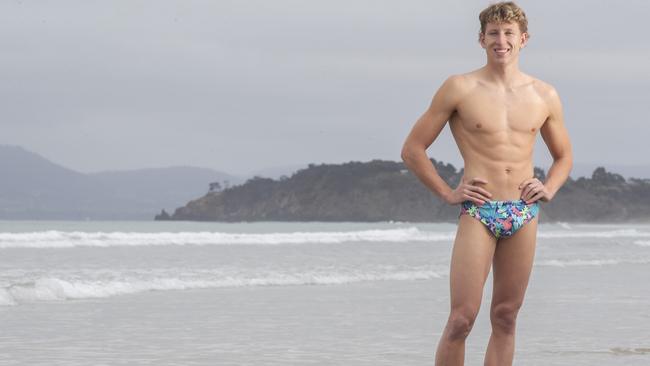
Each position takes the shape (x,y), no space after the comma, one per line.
(34,188)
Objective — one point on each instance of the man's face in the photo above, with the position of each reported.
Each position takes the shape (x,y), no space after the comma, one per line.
(502,41)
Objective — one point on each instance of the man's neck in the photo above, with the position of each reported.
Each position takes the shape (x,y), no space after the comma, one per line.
(503,75)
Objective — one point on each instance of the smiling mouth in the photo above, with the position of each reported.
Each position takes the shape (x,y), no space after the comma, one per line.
(501,51)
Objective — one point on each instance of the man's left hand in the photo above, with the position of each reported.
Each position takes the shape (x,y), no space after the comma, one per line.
(532,190)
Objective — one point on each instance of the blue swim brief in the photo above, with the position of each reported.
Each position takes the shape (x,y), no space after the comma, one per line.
(502,218)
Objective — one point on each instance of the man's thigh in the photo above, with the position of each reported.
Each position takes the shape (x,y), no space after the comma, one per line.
(512,265)
(470,262)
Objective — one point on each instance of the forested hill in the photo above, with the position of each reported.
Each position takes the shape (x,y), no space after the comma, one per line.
(386,190)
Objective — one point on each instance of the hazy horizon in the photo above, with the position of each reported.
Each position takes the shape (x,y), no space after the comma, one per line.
(275,172)
(245,87)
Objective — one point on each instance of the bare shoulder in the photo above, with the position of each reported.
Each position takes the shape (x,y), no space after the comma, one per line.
(469,79)
(550,97)
(458,86)
(457,82)
(545,90)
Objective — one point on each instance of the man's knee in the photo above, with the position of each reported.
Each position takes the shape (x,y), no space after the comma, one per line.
(504,316)
(460,324)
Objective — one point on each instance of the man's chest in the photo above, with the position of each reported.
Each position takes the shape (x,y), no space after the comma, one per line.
(492,112)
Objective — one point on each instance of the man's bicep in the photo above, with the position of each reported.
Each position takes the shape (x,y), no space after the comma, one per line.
(554,131)
(428,127)
(431,123)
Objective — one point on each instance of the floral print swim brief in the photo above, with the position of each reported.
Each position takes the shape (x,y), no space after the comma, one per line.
(502,218)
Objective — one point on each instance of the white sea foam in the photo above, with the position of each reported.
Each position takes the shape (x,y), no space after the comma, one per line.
(642,243)
(70,239)
(620,233)
(64,239)
(53,288)
(588,262)
(6,298)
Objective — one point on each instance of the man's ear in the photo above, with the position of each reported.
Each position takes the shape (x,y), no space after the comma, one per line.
(481,39)
(524,39)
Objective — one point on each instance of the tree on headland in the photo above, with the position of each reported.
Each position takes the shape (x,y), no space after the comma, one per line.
(163,216)
(215,187)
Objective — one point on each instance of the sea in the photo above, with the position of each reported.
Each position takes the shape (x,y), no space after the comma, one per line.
(303,293)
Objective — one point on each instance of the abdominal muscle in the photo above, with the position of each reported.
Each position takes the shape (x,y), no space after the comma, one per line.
(502,158)
(502,184)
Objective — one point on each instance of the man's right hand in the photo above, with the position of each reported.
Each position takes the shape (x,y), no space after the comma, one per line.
(468,190)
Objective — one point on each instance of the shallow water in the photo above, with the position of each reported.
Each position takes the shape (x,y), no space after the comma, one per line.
(142,293)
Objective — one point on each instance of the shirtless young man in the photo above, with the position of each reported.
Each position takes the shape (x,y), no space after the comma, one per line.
(494,114)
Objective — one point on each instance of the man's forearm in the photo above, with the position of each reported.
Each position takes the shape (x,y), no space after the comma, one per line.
(419,164)
(558,174)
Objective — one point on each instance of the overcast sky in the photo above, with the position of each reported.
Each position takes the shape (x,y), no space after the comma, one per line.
(245,85)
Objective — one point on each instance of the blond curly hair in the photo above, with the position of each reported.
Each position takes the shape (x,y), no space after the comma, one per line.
(503,12)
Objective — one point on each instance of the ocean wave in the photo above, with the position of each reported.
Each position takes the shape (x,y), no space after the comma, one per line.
(588,262)
(64,239)
(59,289)
(621,233)
(71,239)
(642,243)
